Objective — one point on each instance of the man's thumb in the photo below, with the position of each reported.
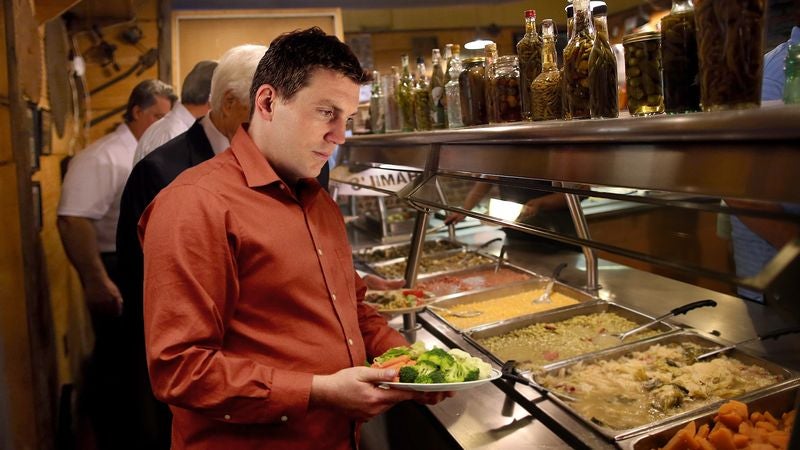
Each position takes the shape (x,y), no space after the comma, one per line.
(380,375)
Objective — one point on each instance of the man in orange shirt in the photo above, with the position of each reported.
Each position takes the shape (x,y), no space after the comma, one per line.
(255,324)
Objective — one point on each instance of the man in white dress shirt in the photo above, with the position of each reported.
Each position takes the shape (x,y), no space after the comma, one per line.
(194,104)
(87,222)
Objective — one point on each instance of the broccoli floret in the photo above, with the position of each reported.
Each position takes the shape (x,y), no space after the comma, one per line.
(439,357)
(472,375)
(417,348)
(437,377)
(408,374)
(426,367)
(424,379)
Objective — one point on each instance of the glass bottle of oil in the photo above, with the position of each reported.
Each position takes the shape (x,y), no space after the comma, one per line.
(529,51)
(546,87)
(576,62)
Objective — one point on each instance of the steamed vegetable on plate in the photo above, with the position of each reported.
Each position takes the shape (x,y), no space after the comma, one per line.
(415,364)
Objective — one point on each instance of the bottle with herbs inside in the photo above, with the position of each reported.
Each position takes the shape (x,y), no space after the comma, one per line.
(453,94)
(389,85)
(603,95)
(643,73)
(377,105)
(576,62)
(729,42)
(679,59)
(570,11)
(473,91)
(438,112)
(405,96)
(490,51)
(506,90)
(529,51)
(546,88)
(422,98)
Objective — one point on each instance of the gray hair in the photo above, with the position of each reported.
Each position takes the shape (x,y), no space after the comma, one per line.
(144,96)
(235,73)
(196,88)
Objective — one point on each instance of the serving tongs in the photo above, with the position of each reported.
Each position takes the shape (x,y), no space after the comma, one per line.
(548,290)
(775,334)
(619,338)
(509,372)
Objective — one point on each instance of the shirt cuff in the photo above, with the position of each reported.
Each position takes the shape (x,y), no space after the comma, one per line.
(289,395)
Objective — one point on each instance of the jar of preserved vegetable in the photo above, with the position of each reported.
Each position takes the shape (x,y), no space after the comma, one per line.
(729,42)
(576,62)
(643,73)
(679,59)
(422,98)
(570,11)
(529,49)
(791,87)
(546,87)
(490,52)
(505,89)
(473,91)
(603,95)
(405,96)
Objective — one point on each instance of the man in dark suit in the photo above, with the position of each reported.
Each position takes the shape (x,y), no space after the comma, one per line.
(209,135)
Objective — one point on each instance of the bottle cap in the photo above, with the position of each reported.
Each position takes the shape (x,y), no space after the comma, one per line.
(420,60)
(530,13)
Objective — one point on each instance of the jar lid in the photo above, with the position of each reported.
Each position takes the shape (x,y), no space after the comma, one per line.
(507,59)
(473,59)
(643,36)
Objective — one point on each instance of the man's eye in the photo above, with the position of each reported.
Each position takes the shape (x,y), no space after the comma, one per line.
(326,113)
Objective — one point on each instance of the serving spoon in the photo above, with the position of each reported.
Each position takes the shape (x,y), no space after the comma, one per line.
(548,290)
(775,334)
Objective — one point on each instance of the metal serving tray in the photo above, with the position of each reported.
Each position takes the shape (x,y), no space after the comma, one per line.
(777,400)
(558,315)
(372,255)
(494,292)
(466,273)
(693,336)
(377,267)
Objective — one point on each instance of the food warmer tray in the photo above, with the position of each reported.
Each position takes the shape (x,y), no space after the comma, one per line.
(561,314)
(490,262)
(466,273)
(451,300)
(692,336)
(367,256)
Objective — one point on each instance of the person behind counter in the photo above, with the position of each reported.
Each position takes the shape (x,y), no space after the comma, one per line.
(255,324)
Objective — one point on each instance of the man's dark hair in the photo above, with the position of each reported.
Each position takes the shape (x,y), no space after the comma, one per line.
(144,95)
(196,87)
(293,57)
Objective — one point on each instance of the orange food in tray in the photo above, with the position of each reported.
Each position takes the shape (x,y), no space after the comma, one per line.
(734,428)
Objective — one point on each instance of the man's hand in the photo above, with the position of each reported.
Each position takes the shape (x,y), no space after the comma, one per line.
(103,297)
(377,283)
(454,218)
(529,209)
(355,392)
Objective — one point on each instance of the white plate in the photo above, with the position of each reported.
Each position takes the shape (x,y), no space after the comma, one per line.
(439,387)
(390,311)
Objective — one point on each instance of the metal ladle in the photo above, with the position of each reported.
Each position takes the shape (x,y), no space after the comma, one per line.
(462,314)
(548,290)
(620,337)
(770,335)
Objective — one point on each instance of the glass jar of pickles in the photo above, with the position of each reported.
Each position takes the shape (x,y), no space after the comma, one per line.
(505,91)
(729,42)
(679,59)
(643,73)
(576,62)
(473,91)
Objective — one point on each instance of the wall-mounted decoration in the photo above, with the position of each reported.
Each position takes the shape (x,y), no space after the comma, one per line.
(36,193)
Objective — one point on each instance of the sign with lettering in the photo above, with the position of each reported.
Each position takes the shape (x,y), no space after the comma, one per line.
(390,180)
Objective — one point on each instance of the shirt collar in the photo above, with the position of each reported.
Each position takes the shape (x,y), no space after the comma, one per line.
(217,140)
(125,135)
(257,171)
(183,114)
(795,38)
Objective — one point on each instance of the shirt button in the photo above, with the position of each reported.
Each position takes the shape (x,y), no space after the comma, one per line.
(227,417)
(349,341)
(284,418)
(282,186)
(333,296)
(319,251)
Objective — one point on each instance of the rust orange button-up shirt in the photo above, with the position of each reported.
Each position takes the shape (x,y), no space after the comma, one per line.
(249,290)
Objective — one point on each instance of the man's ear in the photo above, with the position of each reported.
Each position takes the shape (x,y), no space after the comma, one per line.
(136,112)
(266,98)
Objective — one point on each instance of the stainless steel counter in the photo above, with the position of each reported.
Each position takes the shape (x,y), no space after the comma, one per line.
(474,418)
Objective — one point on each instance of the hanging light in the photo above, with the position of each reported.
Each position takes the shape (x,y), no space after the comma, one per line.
(477,44)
